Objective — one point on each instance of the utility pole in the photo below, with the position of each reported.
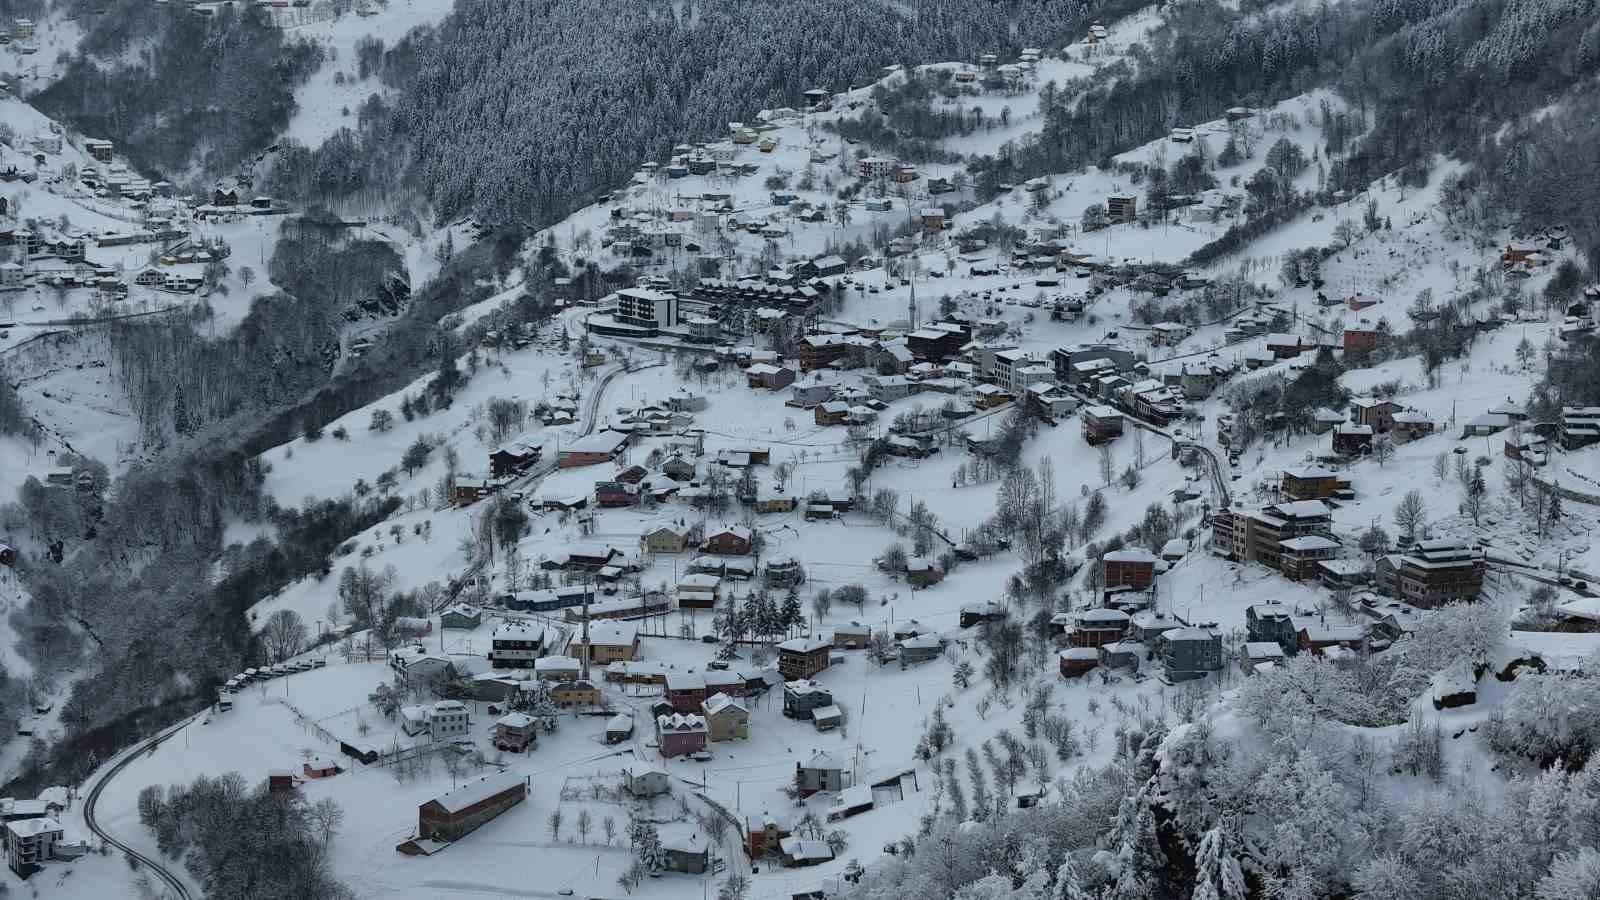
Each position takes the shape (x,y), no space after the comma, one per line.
(587,591)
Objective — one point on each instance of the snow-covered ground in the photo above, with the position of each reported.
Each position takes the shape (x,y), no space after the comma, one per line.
(328,100)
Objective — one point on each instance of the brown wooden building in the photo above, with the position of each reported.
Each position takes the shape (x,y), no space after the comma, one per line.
(454,815)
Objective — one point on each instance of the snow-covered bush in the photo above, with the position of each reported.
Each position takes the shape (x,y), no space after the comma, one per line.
(1549,719)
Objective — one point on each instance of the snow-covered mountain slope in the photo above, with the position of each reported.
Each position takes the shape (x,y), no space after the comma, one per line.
(329,99)
(1263,764)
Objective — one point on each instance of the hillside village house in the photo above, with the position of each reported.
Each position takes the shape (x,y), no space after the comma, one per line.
(1352,440)
(619,728)
(889,388)
(664,539)
(596,449)
(802,657)
(680,735)
(875,167)
(726,718)
(30,842)
(1432,574)
(1485,425)
(919,649)
(733,540)
(822,772)
(1579,426)
(1286,346)
(516,645)
(686,691)
(763,833)
(461,616)
(699,590)
(609,642)
(645,780)
(1078,661)
(802,696)
(515,732)
(576,694)
(1131,568)
(1324,419)
(1256,656)
(514,457)
(557,668)
(923,573)
(1272,623)
(770,377)
(1095,627)
(816,389)
(448,720)
(1189,653)
(1360,340)
(1374,413)
(582,558)
(771,500)
(1312,483)
(977,613)
(1334,641)
(1410,424)
(453,815)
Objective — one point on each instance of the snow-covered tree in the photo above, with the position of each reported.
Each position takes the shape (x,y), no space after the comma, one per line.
(1218,875)
(1573,876)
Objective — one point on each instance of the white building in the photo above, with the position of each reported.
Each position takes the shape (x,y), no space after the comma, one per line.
(646,308)
(875,167)
(448,720)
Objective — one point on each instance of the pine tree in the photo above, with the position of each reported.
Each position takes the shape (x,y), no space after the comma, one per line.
(793,615)
(1069,884)
(649,849)
(1217,873)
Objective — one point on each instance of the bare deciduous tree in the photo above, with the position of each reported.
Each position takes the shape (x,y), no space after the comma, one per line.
(285,634)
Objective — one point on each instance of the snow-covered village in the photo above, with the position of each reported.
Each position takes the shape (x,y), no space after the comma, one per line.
(802,450)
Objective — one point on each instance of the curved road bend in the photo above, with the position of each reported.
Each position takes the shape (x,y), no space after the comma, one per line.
(174,886)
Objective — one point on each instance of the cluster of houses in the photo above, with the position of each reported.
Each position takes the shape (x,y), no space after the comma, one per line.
(1112,638)
(61,258)
(1296,538)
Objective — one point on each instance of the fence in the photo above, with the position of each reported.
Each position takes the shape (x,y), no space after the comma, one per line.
(1566,493)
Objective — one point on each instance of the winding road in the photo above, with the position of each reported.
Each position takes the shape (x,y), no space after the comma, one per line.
(175,886)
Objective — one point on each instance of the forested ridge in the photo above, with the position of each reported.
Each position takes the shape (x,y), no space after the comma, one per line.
(520,112)
(179,93)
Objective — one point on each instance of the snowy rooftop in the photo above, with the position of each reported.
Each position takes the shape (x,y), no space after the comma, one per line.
(477,791)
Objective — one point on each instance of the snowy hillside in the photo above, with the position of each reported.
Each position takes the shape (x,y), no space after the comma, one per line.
(844,505)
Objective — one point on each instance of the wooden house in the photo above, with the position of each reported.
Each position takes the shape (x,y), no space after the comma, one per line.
(515,732)
(1129,568)
(1078,661)
(733,540)
(453,815)
(680,735)
(802,657)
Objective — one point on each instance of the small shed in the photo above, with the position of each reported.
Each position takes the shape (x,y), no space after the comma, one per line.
(321,767)
(645,780)
(619,728)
